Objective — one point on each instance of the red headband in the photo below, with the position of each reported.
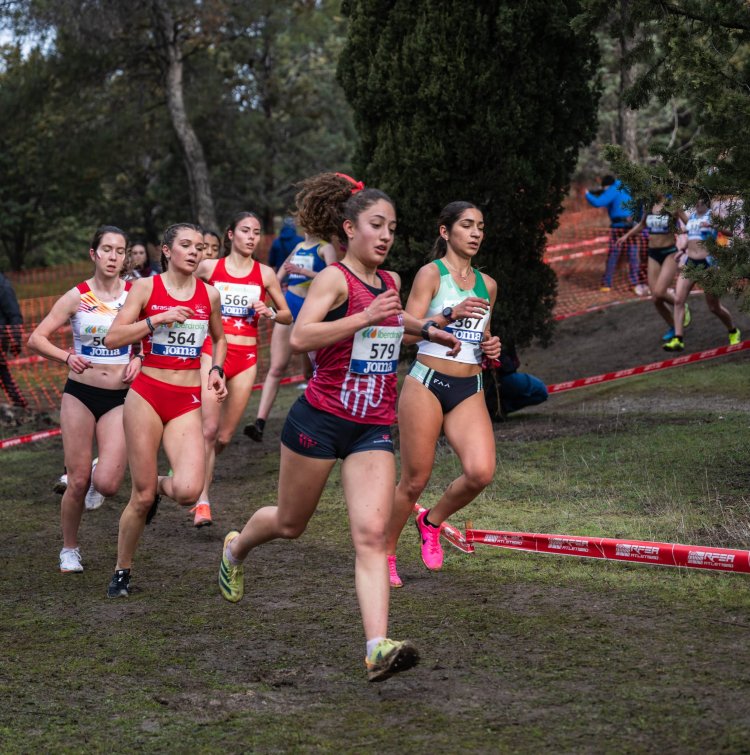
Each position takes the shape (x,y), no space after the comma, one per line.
(356,185)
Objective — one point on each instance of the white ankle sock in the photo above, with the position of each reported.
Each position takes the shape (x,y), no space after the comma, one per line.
(371,645)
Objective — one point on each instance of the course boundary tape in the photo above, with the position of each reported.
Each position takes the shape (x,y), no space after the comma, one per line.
(728,560)
(647,368)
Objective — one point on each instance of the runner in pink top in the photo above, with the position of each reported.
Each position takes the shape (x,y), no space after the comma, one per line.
(353,321)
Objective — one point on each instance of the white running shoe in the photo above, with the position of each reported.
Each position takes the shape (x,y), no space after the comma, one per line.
(94,498)
(61,485)
(70,560)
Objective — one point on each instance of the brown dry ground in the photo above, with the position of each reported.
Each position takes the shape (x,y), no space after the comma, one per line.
(521,653)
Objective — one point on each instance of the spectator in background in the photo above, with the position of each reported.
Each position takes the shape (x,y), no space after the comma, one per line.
(284,244)
(506,390)
(11,323)
(139,264)
(211,244)
(615,197)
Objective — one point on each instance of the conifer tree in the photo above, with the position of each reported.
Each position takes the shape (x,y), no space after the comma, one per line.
(488,102)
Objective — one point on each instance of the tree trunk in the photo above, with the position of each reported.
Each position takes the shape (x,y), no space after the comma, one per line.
(201,198)
(627,119)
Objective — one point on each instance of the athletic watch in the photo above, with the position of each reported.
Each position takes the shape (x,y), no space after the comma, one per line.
(447,313)
(219,369)
(429,324)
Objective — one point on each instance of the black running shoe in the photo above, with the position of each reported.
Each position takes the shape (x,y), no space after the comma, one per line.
(254,432)
(152,511)
(119,587)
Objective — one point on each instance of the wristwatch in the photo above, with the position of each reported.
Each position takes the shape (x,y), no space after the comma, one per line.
(429,324)
(447,313)
(219,369)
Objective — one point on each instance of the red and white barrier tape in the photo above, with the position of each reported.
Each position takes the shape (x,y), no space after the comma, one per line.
(283,381)
(637,551)
(577,244)
(645,368)
(30,438)
(25,360)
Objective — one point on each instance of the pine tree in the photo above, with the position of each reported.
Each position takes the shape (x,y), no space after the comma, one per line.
(487,102)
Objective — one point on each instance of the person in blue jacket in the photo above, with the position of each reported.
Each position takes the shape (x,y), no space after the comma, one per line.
(284,244)
(615,197)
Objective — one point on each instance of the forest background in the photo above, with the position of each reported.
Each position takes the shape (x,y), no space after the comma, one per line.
(144,112)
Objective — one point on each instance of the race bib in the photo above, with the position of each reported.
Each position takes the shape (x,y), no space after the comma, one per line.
(657,223)
(237,298)
(469,330)
(93,330)
(180,339)
(375,350)
(303,260)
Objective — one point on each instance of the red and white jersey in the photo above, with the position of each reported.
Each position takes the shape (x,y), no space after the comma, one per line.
(237,297)
(177,345)
(356,378)
(92,321)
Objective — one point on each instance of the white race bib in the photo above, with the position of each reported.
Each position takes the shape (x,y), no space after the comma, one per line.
(375,350)
(93,328)
(180,339)
(237,298)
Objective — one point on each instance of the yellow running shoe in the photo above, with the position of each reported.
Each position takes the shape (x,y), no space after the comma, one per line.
(231,578)
(389,657)
(675,344)
(734,337)
(687,318)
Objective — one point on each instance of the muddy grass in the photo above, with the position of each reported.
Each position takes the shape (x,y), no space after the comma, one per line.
(520,652)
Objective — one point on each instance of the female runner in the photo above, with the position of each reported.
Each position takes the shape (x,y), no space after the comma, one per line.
(243,284)
(662,258)
(211,245)
(139,263)
(353,321)
(303,264)
(171,314)
(96,387)
(700,228)
(442,392)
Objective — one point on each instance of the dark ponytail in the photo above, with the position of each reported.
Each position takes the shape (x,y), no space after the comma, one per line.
(448,216)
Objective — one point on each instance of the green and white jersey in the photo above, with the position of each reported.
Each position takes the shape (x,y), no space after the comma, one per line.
(470,330)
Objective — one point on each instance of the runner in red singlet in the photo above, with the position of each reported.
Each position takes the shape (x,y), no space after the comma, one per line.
(171,314)
(243,284)
(353,321)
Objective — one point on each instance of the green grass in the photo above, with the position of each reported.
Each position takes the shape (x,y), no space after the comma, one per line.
(521,652)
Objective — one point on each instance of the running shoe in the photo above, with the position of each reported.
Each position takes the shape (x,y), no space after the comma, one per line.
(432,551)
(389,657)
(640,289)
(734,337)
(119,587)
(687,318)
(301,386)
(94,499)
(70,561)
(61,485)
(393,574)
(675,344)
(231,578)
(254,432)
(669,335)
(152,511)
(202,511)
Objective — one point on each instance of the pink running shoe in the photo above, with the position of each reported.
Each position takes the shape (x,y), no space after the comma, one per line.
(393,574)
(432,551)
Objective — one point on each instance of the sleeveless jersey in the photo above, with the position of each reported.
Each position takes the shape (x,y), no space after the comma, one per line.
(237,297)
(356,378)
(308,258)
(92,321)
(176,346)
(696,231)
(658,224)
(470,330)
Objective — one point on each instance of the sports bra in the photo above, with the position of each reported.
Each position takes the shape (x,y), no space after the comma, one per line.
(469,330)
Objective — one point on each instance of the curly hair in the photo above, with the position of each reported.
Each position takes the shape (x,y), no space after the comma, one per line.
(325,201)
